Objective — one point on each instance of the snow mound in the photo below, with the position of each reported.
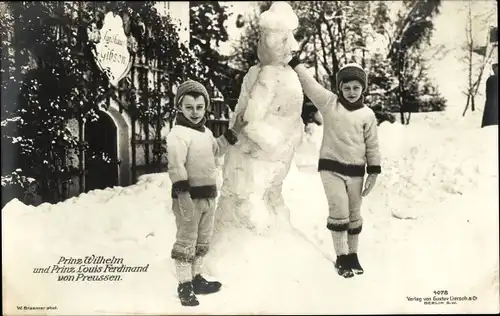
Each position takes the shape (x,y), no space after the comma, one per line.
(443,180)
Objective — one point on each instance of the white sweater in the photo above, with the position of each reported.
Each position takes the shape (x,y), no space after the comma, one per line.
(350,139)
(192,161)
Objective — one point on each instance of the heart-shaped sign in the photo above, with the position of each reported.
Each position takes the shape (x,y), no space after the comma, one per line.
(112,54)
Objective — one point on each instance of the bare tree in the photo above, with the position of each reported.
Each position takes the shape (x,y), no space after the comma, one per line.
(476,57)
(412,32)
(333,33)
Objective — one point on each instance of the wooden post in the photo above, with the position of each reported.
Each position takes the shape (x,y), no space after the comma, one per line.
(11,159)
(132,122)
(159,116)
(363,61)
(134,151)
(145,102)
(81,151)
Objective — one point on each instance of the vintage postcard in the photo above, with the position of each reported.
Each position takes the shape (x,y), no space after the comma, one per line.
(265,157)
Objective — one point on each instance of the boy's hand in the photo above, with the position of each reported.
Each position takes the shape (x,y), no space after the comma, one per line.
(293,61)
(369,184)
(239,123)
(186,206)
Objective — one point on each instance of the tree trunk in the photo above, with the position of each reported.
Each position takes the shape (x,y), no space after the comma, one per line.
(333,83)
(408,118)
(470,47)
(401,100)
(466,105)
(402,116)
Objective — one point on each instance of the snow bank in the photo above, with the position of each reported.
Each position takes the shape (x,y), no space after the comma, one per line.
(431,223)
(440,173)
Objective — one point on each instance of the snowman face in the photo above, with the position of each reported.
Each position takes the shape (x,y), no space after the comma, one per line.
(275,46)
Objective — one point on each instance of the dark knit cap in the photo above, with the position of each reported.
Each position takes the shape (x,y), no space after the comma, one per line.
(191,86)
(351,72)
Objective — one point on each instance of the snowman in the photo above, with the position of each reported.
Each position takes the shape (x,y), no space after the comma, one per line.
(271,102)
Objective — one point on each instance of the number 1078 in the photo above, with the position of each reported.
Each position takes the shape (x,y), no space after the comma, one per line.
(441,292)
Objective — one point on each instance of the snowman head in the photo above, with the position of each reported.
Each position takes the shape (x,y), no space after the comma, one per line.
(276,42)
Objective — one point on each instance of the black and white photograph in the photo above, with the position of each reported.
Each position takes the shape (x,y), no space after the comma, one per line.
(249,157)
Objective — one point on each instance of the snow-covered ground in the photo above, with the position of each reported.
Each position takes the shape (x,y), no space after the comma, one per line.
(431,224)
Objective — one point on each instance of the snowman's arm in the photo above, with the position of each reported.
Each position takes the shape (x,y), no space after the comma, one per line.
(260,100)
(177,149)
(319,95)
(246,86)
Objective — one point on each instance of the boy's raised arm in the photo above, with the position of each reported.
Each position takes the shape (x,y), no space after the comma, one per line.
(319,95)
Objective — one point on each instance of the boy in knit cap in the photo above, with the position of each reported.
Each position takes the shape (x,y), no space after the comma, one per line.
(349,146)
(192,151)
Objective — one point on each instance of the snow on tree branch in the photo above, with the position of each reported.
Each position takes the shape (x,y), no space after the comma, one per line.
(16,178)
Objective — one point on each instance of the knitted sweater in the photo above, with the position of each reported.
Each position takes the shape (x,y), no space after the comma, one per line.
(350,140)
(192,160)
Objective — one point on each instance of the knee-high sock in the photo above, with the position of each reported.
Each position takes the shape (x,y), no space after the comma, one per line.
(183,270)
(353,235)
(353,241)
(338,228)
(197,265)
(340,242)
